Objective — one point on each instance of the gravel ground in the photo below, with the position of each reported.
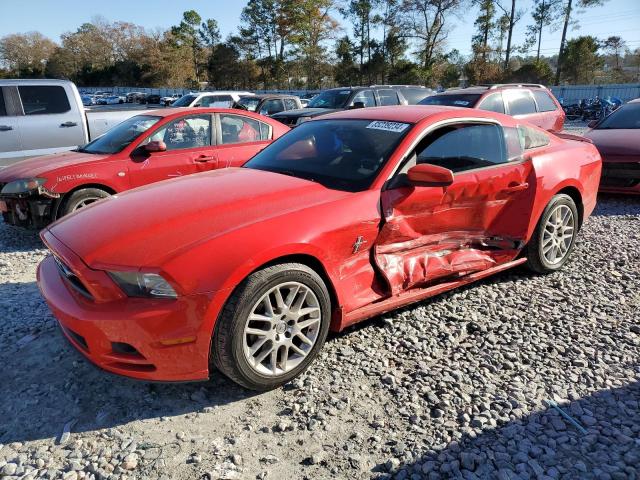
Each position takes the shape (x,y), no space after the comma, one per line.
(464,385)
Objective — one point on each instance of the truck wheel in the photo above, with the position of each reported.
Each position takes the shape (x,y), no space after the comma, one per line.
(555,235)
(81,198)
(272,327)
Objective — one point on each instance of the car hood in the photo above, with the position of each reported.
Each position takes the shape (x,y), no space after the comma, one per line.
(149,225)
(305,112)
(616,142)
(40,166)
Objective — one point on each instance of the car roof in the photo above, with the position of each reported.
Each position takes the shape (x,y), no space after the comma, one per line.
(262,96)
(180,111)
(406,113)
(635,100)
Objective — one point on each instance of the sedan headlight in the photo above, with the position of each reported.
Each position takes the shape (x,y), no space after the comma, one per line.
(302,120)
(23,186)
(136,284)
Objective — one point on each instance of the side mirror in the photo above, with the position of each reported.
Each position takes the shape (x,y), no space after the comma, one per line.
(592,123)
(357,105)
(426,175)
(155,146)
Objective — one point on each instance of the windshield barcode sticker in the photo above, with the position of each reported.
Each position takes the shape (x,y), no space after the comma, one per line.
(388,126)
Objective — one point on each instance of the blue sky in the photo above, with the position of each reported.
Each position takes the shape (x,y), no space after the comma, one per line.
(53,17)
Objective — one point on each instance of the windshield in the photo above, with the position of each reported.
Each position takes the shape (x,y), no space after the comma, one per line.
(249,103)
(184,101)
(121,135)
(330,99)
(625,118)
(339,154)
(467,100)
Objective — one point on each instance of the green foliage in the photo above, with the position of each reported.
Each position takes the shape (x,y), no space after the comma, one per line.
(537,71)
(581,60)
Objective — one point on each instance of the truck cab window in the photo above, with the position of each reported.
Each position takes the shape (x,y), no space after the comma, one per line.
(43,99)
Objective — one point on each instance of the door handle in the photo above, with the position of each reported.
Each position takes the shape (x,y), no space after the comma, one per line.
(68,124)
(204,158)
(516,187)
(5,128)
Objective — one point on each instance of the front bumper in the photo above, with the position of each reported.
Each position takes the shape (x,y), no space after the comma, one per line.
(620,176)
(29,209)
(146,339)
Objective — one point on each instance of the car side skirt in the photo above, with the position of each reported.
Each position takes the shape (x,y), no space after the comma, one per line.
(418,294)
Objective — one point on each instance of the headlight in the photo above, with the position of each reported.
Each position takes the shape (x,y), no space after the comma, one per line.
(24,185)
(302,120)
(136,284)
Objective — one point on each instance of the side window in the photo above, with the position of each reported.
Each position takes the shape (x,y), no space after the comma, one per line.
(463,147)
(238,129)
(290,104)
(271,106)
(513,143)
(532,138)
(492,103)
(186,132)
(44,99)
(222,101)
(545,104)
(366,97)
(3,110)
(388,97)
(521,103)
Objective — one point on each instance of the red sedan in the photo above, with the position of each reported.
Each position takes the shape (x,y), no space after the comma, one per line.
(618,140)
(144,149)
(345,217)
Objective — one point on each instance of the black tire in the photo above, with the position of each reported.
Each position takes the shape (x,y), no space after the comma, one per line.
(536,260)
(227,343)
(77,198)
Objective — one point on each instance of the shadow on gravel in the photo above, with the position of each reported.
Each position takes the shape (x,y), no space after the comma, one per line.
(46,383)
(543,445)
(15,239)
(615,205)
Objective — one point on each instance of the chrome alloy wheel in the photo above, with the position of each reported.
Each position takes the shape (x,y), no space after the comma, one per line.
(282,329)
(84,202)
(558,234)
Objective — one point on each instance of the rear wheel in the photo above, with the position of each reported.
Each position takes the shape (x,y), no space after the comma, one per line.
(272,326)
(555,235)
(80,199)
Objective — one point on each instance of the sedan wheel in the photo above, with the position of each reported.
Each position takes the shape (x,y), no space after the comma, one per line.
(272,326)
(555,236)
(282,329)
(80,199)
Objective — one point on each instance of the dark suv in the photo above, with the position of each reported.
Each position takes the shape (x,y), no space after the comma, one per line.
(531,102)
(354,97)
(268,104)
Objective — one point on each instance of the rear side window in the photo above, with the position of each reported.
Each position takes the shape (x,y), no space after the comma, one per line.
(388,97)
(464,147)
(271,106)
(545,104)
(532,138)
(366,97)
(414,95)
(3,110)
(492,103)
(239,129)
(521,103)
(221,101)
(43,99)
(290,104)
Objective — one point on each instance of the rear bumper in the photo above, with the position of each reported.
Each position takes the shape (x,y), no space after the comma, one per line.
(146,339)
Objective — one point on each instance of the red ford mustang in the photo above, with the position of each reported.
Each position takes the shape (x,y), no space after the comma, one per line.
(343,218)
(617,137)
(143,149)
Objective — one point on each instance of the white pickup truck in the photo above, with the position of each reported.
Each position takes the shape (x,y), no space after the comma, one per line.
(38,117)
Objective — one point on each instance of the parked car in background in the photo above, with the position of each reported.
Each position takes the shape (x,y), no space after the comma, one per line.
(268,104)
(134,97)
(145,148)
(169,99)
(38,117)
(304,102)
(617,137)
(245,270)
(87,100)
(113,100)
(527,101)
(220,99)
(337,99)
(152,98)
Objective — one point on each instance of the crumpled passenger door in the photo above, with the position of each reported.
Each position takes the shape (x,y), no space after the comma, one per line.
(435,234)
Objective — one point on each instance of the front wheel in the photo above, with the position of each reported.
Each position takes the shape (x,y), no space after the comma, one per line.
(272,326)
(80,199)
(555,235)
